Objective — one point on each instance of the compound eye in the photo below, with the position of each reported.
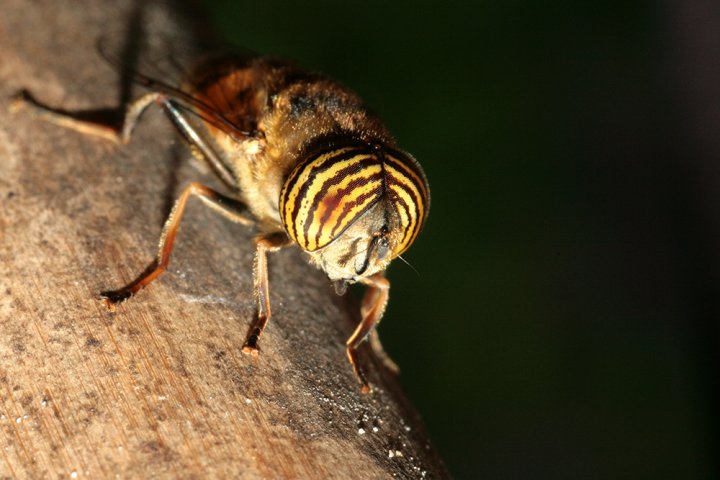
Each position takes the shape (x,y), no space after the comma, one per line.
(328,192)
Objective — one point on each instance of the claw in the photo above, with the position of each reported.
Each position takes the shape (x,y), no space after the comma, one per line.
(252,351)
(18,101)
(251,347)
(111,298)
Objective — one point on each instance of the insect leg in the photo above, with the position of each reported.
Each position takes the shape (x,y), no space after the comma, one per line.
(114,133)
(121,133)
(267,243)
(211,198)
(371,310)
(197,141)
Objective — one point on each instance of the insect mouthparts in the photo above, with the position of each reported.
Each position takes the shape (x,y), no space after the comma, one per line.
(340,286)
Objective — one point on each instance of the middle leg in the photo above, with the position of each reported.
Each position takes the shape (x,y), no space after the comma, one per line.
(211,198)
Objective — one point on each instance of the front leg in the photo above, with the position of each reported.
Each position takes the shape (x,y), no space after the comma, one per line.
(267,243)
(372,309)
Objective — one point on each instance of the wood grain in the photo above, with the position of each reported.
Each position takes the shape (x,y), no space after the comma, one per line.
(159,388)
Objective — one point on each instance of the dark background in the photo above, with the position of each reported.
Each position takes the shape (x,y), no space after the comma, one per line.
(564,322)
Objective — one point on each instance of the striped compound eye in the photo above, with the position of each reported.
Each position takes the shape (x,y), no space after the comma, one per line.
(330,190)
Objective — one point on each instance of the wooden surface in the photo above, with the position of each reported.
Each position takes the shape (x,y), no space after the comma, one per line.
(158,388)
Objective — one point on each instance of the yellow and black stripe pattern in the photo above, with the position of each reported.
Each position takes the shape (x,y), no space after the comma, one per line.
(330,190)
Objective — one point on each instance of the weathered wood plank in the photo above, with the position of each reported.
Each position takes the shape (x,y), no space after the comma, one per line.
(158,388)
